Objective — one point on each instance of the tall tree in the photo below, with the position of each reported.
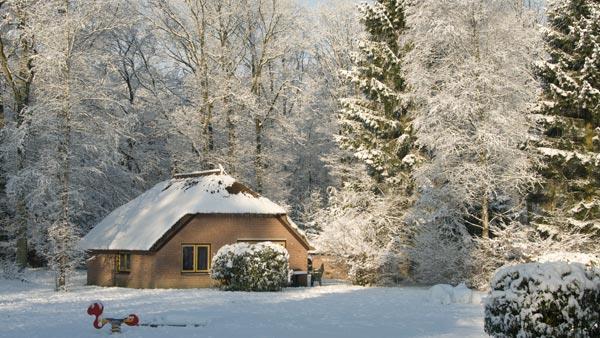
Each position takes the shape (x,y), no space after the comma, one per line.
(470,69)
(374,123)
(17,51)
(570,119)
(73,172)
(375,128)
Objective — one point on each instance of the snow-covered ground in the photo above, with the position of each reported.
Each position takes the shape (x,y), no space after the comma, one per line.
(335,310)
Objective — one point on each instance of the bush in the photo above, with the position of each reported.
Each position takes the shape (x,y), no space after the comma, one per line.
(251,267)
(10,270)
(552,299)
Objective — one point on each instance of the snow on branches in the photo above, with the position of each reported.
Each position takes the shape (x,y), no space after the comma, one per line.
(469,69)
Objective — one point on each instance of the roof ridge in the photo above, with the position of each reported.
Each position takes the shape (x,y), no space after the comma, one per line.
(219,170)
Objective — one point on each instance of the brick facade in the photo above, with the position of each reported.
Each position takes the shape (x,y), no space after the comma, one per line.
(162,268)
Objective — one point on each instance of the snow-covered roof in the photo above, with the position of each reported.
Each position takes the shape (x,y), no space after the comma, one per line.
(139,224)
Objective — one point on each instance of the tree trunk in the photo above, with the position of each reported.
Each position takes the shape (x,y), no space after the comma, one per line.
(22,247)
(485,217)
(2,111)
(21,218)
(230,137)
(65,175)
(258,163)
(61,274)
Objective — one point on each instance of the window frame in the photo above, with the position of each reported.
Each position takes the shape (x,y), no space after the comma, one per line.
(195,257)
(124,268)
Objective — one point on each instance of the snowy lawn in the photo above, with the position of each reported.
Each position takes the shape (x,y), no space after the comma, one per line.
(334,310)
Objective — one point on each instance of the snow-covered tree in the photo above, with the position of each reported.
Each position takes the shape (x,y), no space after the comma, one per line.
(374,123)
(311,207)
(569,119)
(72,129)
(362,224)
(236,69)
(470,70)
(334,29)
(361,228)
(17,51)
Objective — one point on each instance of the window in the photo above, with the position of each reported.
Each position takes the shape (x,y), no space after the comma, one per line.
(124,262)
(195,257)
(256,240)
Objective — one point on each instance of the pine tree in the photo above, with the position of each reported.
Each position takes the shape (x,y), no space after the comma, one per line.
(570,119)
(374,124)
(362,224)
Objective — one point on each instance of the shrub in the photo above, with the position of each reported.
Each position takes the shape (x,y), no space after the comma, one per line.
(552,299)
(251,267)
(10,270)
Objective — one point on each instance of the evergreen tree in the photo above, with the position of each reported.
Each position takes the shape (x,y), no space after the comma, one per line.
(374,124)
(362,224)
(570,119)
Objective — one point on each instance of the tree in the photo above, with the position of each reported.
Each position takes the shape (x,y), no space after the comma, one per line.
(374,123)
(242,65)
(333,28)
(569,119)
(362,224)
(470,70)
(73,172)
(361,227)
(17,51)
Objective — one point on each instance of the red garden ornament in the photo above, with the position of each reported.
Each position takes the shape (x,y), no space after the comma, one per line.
(96,309)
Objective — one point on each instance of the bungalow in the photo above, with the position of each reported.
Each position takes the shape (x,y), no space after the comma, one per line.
(166,237)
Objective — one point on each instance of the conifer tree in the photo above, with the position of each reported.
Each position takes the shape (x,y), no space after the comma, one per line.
(570,119)
(374,122)
(362,225)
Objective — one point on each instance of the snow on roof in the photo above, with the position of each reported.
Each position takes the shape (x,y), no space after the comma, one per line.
(140,223)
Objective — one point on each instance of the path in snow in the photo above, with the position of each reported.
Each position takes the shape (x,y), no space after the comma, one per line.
(34,310)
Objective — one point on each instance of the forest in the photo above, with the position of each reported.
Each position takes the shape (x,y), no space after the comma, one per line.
(421,141)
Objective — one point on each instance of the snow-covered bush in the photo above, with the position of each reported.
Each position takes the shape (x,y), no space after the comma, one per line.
(251,267)
(363,230)
(552,299)
(440,255)
(517,243)
(10,270)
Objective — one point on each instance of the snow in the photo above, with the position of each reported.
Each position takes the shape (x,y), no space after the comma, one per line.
(447,294)
(570,257)
(334,310)
(138,224)
(568,155)
(242,248)
(441,293)
(523,296)
(549,276)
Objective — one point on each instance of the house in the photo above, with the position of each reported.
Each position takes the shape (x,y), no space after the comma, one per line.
(166,237)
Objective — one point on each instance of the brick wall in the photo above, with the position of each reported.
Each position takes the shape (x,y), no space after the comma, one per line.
(100,269)
(334,268)
(162,269)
